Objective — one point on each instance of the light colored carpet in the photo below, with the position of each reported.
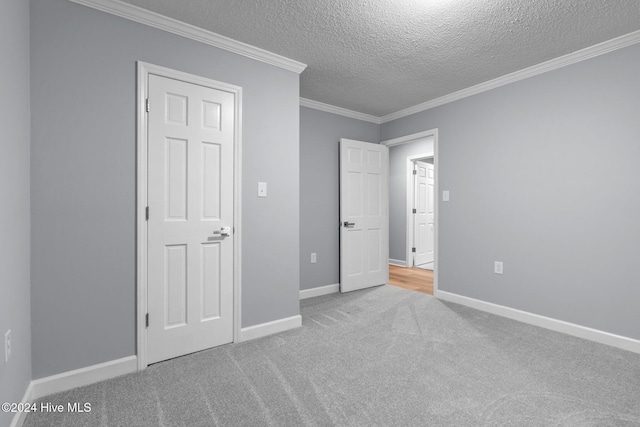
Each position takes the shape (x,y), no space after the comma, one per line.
(379,357)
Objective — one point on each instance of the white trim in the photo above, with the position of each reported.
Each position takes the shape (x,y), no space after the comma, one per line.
(398,262)
(237,219)
(144,69)
(72,379)
(319,291)
(141,223)
(436,250)
(269,328)
(82,377)
(19,417)
(544,322)
(309,103)
(409,138)
(563,61)
(155,20)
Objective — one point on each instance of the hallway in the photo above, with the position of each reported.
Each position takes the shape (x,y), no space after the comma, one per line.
(415,279)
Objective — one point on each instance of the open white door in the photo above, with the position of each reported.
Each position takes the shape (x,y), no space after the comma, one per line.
(424,214)
(191,217)
(364,215)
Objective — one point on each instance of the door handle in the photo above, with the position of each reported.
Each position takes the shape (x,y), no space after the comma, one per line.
(348,224)
(223,232)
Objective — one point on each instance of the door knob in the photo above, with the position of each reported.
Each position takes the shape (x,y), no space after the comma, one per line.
(348,224)
(223,232)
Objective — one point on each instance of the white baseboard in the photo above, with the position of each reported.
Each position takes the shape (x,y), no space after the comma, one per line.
(72,379)
(398,262)
(264,329)
(84,376)
(590,334)
(319,291)
(19,417)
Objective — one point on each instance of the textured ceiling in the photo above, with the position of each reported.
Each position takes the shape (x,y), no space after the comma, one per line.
(381,56)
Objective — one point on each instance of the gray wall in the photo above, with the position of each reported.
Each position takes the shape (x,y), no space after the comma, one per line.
(544,176)
(14,194)
(83,180)
(320,133)
(398,193)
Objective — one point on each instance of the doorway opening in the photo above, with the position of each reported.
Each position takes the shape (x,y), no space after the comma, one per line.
(413,189)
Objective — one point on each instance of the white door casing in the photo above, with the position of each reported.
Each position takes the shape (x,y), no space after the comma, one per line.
(364,215)
(431,212)
(190,263)
(424,205)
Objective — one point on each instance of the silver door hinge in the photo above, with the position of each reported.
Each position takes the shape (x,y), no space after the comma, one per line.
(414,211)
(413,249)
(146,105)
(146,213)
(146,319)
(415,172)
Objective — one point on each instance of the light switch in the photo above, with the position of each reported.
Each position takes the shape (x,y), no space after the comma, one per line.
(262,189)
(445,196)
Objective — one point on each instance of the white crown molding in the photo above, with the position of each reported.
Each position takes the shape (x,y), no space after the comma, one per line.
(563,61)
(161,22)
(174,26)
(304,102)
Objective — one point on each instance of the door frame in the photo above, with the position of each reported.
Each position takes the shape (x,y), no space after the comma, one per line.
(143,71)
(409,226)
(411,196)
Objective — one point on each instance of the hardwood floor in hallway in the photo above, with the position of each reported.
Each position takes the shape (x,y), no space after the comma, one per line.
(415,279)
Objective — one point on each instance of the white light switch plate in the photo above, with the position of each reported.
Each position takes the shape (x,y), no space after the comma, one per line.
(262,189)
(445,196)
(498,267)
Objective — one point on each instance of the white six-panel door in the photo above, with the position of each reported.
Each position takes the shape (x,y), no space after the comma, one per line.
(424,200)
(364,215)
(190,225)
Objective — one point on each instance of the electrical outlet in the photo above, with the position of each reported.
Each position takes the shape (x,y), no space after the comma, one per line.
(498,267)
(313,258)
(7,346)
